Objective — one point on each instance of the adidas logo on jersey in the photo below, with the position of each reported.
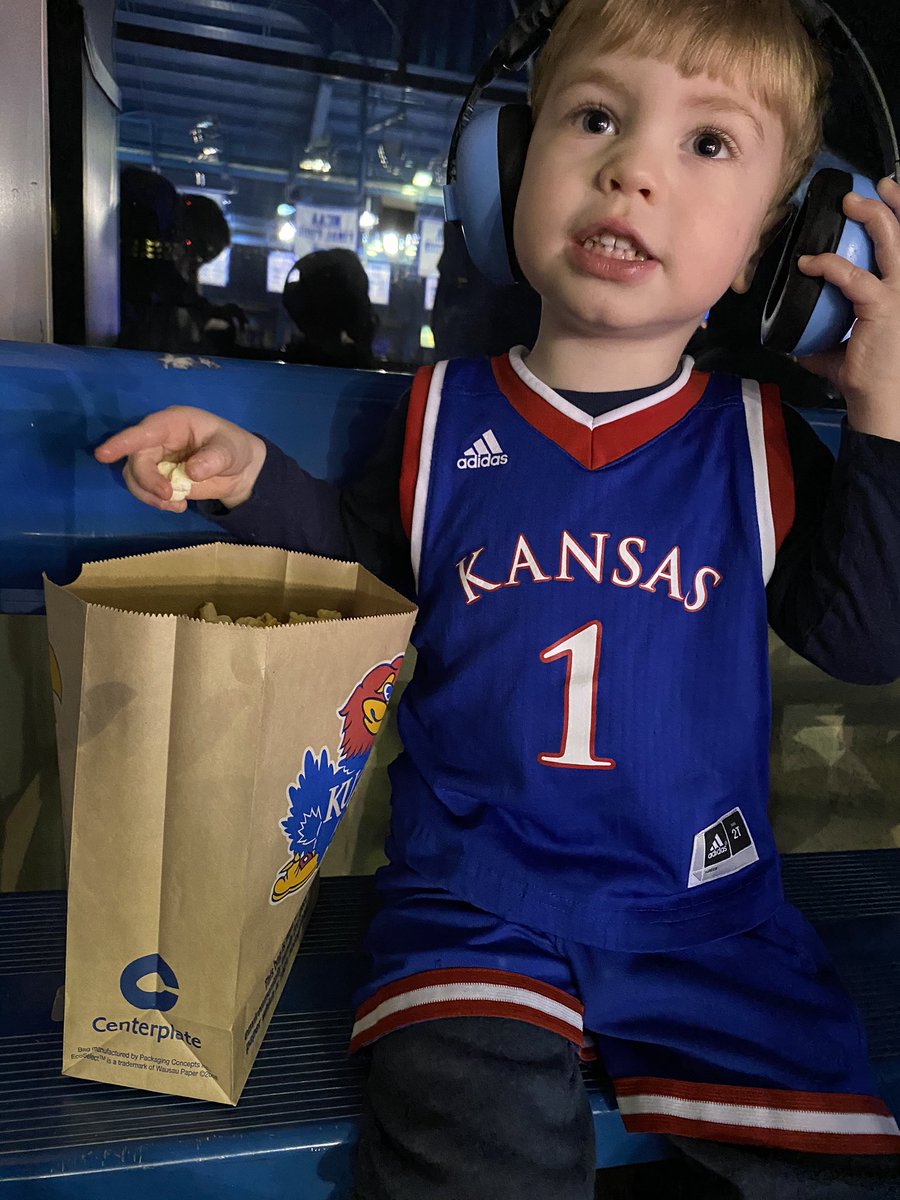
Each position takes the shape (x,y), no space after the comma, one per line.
(717,848)
(485,452)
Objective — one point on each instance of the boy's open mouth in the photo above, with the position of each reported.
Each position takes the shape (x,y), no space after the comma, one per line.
(609,242)
(615,247)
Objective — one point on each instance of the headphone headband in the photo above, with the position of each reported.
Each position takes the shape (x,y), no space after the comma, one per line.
(520,41)
(816,15)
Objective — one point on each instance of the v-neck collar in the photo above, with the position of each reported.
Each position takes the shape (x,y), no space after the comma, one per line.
(596,441)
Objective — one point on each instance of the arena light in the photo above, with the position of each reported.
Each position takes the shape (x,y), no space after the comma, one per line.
(287,232)
(422,179)
(391,243)
(318,156)
(285,210)
(207,137)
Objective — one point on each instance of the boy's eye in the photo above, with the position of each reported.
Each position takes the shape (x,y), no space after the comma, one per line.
(595,120)
(711,142)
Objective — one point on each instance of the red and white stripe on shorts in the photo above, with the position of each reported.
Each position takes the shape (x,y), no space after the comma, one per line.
(823,1122)
(466,992)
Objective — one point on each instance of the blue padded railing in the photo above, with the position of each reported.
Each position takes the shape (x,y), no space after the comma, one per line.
(61,508)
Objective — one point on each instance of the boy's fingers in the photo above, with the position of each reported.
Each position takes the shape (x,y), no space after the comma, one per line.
(143,478)
(112,449)
(215,458)
(150,432)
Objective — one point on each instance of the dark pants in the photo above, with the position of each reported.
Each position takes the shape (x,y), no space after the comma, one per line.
(484,1108)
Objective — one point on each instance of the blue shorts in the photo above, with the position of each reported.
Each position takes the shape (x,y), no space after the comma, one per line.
(750,1038)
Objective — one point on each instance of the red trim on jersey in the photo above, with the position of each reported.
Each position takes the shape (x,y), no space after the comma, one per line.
(440,1010)
(783,1139)
(412,444)
(775,1100)
(435,1006)
(598,447)
(778,459)
(726,1093)
(450,975)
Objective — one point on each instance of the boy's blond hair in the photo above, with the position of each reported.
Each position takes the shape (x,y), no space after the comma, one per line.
(761,43)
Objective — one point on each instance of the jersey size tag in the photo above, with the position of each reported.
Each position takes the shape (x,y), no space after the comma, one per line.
(721,849)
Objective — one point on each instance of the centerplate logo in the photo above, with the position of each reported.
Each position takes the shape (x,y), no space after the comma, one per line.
(139,970)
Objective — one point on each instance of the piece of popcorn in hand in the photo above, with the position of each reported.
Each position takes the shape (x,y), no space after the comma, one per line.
(177,476)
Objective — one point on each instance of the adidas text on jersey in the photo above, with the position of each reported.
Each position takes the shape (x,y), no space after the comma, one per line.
(486,451)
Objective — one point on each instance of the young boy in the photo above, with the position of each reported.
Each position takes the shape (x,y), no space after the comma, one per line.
(597,533)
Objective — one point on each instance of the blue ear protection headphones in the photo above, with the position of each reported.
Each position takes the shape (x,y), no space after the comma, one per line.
(802,314)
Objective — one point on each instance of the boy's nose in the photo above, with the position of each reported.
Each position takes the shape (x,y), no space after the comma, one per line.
(632,173)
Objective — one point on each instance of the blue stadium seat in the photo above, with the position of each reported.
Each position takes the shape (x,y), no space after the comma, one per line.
(293,1130)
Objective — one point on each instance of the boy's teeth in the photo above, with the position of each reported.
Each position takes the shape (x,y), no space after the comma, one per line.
(615,247)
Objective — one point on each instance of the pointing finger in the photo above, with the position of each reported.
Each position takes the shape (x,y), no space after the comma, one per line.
(127,441)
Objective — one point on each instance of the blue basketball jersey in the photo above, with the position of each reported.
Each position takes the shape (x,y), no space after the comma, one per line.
(586,733)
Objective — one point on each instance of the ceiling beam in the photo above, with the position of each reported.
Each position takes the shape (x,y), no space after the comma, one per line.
(397,75)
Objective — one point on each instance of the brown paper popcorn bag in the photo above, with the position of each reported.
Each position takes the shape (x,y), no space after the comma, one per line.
(204,769)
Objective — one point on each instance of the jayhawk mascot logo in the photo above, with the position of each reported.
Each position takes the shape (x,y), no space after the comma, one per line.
(322,789)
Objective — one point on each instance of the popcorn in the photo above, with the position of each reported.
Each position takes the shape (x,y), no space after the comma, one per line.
(177,476)
(208,612)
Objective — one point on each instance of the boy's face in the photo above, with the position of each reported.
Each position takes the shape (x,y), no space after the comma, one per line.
(628,139)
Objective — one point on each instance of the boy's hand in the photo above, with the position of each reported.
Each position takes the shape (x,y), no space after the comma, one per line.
(866,368)
(222,460)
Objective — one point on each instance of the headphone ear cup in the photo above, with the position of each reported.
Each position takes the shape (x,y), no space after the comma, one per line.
(513,135)
(802,314)
(490,159)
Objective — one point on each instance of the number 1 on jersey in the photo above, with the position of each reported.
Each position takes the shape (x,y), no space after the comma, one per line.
(581,649)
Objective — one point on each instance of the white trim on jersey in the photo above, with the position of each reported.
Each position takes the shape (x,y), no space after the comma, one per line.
(757,1116)
(429,424)
(569,410)
(496,993)
(753,412)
